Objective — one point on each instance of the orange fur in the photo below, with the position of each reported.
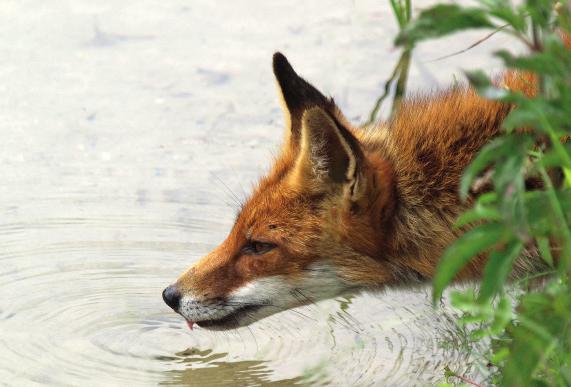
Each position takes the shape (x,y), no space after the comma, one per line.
(375,204)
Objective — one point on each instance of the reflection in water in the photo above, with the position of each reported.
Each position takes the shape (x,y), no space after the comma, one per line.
(118,149)
(240,373)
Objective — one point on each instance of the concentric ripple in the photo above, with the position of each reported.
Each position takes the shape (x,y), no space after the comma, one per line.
(95,307)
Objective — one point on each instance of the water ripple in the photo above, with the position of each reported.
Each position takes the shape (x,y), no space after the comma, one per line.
(95,306)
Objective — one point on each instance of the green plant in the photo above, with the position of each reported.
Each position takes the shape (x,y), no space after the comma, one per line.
(402,9)
(531,331)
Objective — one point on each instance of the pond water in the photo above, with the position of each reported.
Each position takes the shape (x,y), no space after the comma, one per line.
(128,128)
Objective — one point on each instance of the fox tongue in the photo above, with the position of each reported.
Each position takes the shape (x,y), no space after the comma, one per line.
(190,324)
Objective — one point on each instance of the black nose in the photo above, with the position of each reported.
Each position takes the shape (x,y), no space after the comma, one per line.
(171,297)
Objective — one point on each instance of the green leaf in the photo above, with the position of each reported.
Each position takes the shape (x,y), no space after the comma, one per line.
(522,116)
(503,10)
(554,59)
(539,217)
(400,12)
(545,250)
(441,20)
(508,173)
(567,174)
(466,302)
(458,254)
(481,211)
(540,12)
(538,62)
(500,355)
(448,372)
(497,269)
(542,63)
(502,317)
(487,155)
(484,86)
(509,183)
(490,90)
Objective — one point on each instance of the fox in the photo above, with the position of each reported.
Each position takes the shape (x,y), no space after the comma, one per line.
(345,209)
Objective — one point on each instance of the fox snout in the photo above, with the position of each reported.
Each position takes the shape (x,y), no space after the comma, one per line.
(171,297)
(255,299)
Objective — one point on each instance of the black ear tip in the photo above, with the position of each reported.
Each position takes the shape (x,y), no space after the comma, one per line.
(279,56)
(279,59)
(281,65)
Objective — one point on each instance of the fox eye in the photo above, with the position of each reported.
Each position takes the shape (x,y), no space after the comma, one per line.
(258,248)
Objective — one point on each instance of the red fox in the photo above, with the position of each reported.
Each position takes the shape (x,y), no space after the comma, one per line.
(344,208)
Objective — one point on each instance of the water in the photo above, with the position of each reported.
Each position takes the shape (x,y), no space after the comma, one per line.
(127,130)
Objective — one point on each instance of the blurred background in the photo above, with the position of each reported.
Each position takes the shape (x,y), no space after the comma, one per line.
(129,129)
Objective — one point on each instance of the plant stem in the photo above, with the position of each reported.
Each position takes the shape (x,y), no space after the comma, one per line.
(559,216)
(379,102)
(404,65)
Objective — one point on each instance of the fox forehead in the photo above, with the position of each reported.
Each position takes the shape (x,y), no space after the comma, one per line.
(275,207)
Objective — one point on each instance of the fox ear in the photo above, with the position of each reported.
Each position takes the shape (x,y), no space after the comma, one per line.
(329,155)
(297,96)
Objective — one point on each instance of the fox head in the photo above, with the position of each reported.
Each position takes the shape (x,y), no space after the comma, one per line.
(314,228)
